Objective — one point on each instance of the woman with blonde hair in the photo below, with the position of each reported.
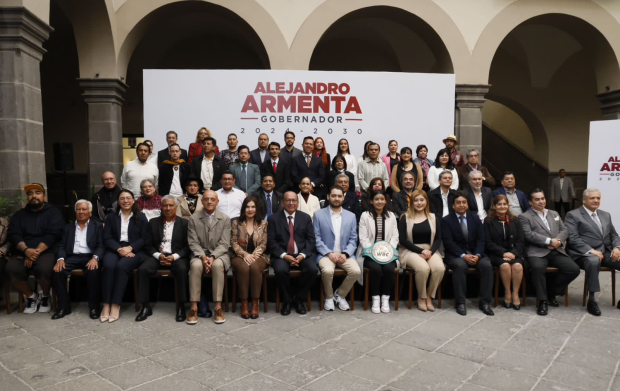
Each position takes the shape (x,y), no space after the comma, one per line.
(420,238)
(195,148)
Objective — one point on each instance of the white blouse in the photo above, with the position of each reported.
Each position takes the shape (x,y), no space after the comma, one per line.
(433,178)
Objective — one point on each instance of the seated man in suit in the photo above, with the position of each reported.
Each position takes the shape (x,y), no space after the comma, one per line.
(441,199)
(593,242)
(209,241)
(81,247)
(279,168)
(400,200)
(270,200)
(210,167)
(545,238)
(291,241)
(517,198)
(261,154)
(167,247)
(335,230)
(351,200)
(464,242)
(308,165)
(247,175)
(173,173)
(479,197)
(164,154)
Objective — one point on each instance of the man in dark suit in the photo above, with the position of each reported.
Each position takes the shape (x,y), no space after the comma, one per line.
(81,247)
(269,200)
(167,248)
(291,241)
(442,198)
(261,154)
(290,152)
(464,241)
(593,242)
(278,168)
(479,197)
(473,164)
(516,198)
(210,167)
(164,154)
(308,165)
(400,200)
(351,200)
(173,173)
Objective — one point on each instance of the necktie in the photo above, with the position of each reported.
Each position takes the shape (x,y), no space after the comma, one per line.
(269,210)
(243,179)
(290,249)
(597,222)
(464,228)
(308,158)
(275,167)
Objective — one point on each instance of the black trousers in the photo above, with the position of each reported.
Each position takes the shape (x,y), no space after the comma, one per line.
(592,266)
(282,269)
(562,204)
(115,275)
(42,268)
(568,271)
(459,278)
(148,269)
(72,262)
(381,277)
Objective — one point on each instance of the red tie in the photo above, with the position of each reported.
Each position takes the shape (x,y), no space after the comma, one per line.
(274,167)
(290,249)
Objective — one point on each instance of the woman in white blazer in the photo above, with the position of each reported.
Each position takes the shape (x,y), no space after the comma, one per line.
(376,225)
(442,163)
(308,203)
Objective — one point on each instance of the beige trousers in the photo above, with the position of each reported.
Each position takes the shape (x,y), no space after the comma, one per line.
(327,275)
(422,268)
(196,271)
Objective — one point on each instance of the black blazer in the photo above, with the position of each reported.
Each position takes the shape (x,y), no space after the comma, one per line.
(278,234)
(494,233)
(219,166)
(164,154)
(94,239)
(282,176)
(455,243)
(351,203)
(487,199)
(400,204)
(276,201)
(136,233)
(155,234)
(436,203)
(166,173)
(300,170)
(331,179)
(255,156)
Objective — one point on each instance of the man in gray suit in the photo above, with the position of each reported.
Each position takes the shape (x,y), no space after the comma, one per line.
(593,243)
(545,238)
(562,192)
(247,175)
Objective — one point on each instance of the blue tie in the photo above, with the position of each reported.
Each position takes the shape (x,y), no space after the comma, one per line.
(269,210)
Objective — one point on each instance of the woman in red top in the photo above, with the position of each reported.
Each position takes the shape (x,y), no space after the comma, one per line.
(195,149)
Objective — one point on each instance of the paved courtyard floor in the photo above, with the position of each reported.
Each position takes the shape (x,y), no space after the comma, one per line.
(321,351)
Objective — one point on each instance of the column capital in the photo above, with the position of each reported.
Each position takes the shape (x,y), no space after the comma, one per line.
(610,103)
(471,95)
(103,90)
(23,31)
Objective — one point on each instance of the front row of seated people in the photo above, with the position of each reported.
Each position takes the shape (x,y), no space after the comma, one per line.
(194,239)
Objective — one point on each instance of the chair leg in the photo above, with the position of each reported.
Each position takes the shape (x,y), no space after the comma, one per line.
(7,297)
(135,290)
(396,291)
(265,283)
(585,293)
(352,297)
(497,287)
(234,292)
(226,292)
(365,290)
(613,287)
(439,293)
(410,288)
(321,294)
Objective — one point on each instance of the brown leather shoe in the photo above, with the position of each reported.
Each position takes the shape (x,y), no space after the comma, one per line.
(219,316)
(245,312)
(254,313)
(192,317)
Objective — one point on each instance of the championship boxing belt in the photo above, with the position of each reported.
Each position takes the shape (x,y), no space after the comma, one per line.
(381,252)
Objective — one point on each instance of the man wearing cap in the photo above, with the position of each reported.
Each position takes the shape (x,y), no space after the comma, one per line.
(457,157)
(104,201)
(34,232)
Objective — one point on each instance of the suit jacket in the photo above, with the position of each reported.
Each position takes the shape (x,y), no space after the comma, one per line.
(284,154)
(210,236)
(278,234)
(525,205)
(584,235)
(487,199)
(240,237)
(400,204)
(331,179)
(324,233)
(94,240)
(536,233)
(464,171)
(300,170)
(494,233)
(276,201)
(351,203)
(183,207)
(436,202)
(166,174)
(164,154)
(255,156)
(455,243)
(566,193)
(282,176)
(155,234)
(136,233)
(252,175)
(219,166)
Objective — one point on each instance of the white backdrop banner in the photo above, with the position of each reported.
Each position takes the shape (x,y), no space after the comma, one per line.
(604,165)
(359,106)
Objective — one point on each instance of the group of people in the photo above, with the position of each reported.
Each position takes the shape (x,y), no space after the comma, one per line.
(201,213)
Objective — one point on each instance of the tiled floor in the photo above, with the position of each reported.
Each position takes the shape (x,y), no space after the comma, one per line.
(321,351)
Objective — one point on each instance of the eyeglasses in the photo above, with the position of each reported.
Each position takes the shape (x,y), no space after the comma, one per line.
(290,201)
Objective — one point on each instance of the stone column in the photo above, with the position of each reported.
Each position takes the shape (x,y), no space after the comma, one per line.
(610,104)
(105,134)
(22,154)
(468,115)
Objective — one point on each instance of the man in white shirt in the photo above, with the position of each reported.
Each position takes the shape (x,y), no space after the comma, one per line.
(479,197)
(230,197)
(372,167)
(137,170)
(442,198)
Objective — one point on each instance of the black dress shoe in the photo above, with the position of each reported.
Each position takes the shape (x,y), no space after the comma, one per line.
(593,308)
(145,312)
(553,303)
(94,313)
(60,314)
(486,309)
(180,314)
(300,308)
(286,309)
(542,308)
(461,310)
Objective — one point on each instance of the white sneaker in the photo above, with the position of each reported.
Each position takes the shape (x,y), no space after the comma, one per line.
(329,305)
(33,304)
(385,304)
(341,301)
(375,304)
(45,304)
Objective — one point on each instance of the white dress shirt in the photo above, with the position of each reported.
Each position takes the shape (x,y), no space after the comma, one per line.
(134,172)
(176,188)
(206,171)
(230,202)
(337,224)
(262,152)
(481,212)
(543,217)
(81,243)
(166,242)
(444,199)
(124,226)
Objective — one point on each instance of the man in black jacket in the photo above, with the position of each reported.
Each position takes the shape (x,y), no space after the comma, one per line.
(441,199)
(164,154)
(104,201)
(279,168)
(173,173)
(479,197)
(81,247)
(209,167)
(351,200)
(260,155)
(400,200)
(267,192)
(309,165)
